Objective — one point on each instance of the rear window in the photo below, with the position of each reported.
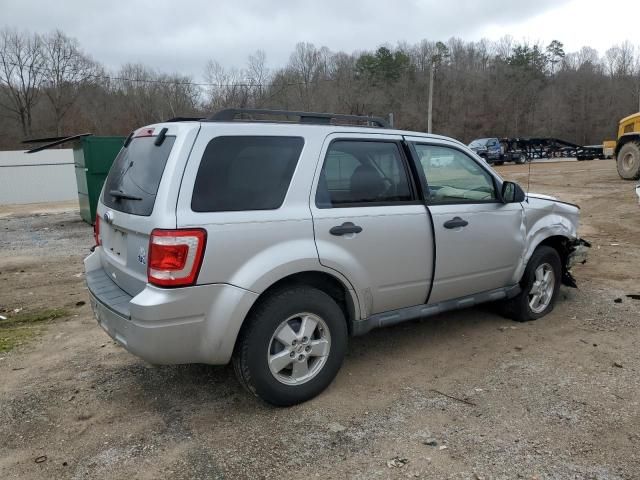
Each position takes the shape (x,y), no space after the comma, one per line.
(245,173)
(136,173)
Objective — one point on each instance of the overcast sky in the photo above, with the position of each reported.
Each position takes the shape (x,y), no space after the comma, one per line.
(181,35)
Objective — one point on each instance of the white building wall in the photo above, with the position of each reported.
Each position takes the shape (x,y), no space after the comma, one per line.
(46,176)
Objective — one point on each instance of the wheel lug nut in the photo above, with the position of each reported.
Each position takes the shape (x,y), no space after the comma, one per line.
(308,349)
(301,357)
(305,339)
(292,354)
(294,342)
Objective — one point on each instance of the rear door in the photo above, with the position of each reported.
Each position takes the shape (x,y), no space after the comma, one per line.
(136,198)
(480,241)
(369,224)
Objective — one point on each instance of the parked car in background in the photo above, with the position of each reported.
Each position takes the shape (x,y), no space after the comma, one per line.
(489,149)
(497,151)
(269,244)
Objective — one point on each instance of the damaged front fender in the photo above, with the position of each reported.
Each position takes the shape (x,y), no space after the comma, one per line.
(551,222)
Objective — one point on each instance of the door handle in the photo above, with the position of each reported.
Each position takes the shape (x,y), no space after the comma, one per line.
(455,222)
(346,227)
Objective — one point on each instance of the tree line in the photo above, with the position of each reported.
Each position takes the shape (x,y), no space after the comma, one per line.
(49,86)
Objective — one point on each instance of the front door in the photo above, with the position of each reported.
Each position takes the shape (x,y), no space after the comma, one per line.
(369,223)
(480,241)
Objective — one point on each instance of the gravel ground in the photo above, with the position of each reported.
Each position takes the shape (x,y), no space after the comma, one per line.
(462,395)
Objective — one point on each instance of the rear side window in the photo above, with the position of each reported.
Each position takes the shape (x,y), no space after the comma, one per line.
(132,183)
(245,173)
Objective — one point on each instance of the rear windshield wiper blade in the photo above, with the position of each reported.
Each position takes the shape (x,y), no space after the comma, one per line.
(124,196)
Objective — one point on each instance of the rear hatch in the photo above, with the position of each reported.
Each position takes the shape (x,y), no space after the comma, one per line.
(139,195)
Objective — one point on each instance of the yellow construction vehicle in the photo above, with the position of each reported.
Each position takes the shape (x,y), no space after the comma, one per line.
(628,147)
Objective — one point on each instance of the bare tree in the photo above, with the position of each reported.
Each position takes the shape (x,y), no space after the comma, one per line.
(627,59)
(66,71)
(504,47)
(177,96)
(308,64)
(149,97)
(228,87)
(586,56)
(257,76)
(21,73)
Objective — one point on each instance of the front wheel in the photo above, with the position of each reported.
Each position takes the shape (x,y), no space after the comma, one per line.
(540,285)
(292,346)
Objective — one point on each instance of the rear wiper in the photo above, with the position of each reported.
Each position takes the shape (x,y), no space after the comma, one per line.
(121,195)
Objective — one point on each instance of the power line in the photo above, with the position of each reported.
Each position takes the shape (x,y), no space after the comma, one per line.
(189,83)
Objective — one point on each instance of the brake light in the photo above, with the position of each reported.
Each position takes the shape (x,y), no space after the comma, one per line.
(175,256)
(96,231)
(143,132)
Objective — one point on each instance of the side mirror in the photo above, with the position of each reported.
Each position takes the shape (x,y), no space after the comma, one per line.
(512,193)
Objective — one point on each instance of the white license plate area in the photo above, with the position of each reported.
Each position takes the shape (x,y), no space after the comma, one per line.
(117,244)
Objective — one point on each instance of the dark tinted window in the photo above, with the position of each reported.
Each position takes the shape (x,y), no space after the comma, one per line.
(360,173)
(245,173)
(136,172)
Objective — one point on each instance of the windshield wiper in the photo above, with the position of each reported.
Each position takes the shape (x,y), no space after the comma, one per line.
(123,196)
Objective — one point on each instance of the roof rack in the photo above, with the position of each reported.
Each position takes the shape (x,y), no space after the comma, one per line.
(229,115)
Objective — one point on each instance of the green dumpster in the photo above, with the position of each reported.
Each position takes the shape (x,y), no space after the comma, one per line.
(93,157)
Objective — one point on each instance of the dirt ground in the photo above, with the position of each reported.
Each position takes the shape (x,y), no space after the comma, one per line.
(555,398)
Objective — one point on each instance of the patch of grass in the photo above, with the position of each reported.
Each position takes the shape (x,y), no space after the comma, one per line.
(20,327)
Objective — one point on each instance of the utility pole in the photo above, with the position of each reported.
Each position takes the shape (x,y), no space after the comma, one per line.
(391,119)
(430,108)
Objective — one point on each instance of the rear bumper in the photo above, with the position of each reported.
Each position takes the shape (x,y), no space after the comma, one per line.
(196,324)
(165,344)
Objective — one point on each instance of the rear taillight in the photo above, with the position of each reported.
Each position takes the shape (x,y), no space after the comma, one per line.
(96,231)
(175,256)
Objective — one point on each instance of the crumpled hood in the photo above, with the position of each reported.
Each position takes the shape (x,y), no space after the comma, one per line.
(541,195)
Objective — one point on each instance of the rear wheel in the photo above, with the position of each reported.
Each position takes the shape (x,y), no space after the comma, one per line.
(292,346)
(540,285)
(629,161)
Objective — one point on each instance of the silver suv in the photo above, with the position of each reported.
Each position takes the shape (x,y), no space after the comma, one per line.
(270,243)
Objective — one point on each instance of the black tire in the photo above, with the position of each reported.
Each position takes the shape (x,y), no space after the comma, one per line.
(628,161)
(254,343)
(518,308)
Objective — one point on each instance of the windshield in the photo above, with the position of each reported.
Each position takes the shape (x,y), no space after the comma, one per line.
(480,142)
(133,180)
